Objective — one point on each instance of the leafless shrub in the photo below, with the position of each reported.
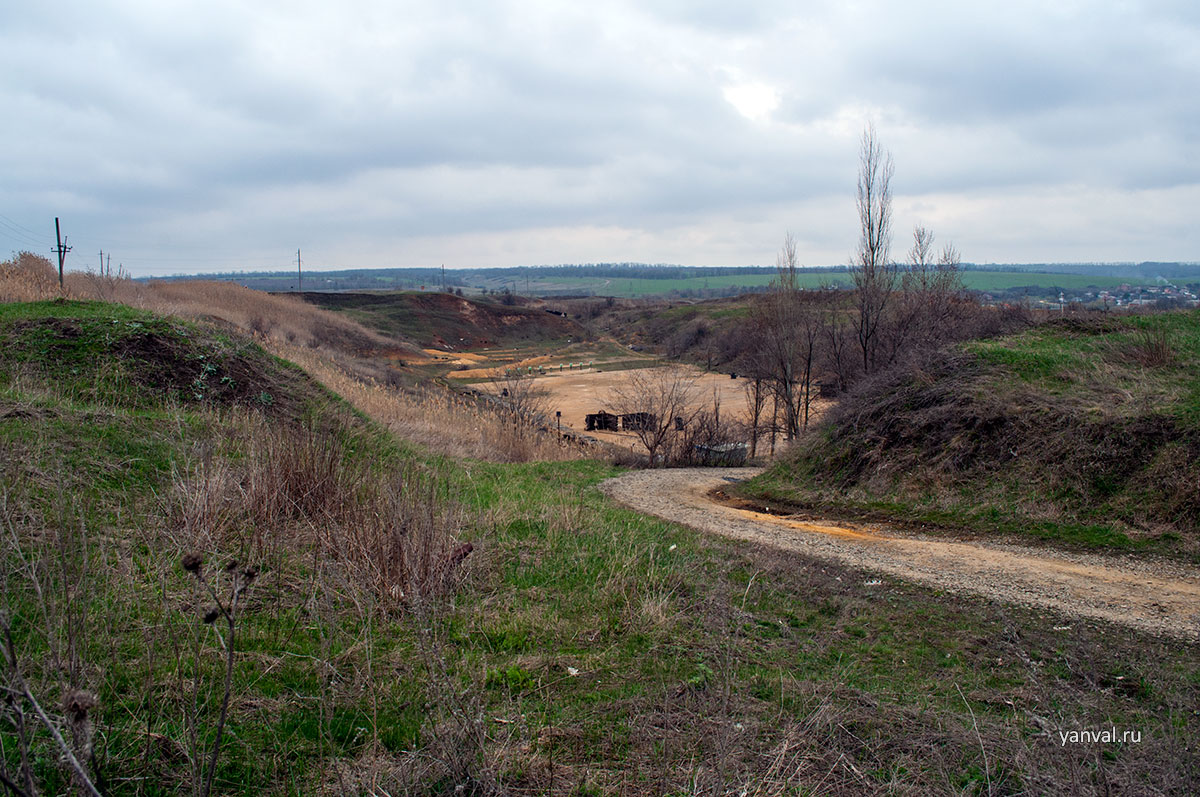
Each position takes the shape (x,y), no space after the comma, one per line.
(27,278)
(48,576)
(522,396)
(261,327)
(707,438)
(659,400)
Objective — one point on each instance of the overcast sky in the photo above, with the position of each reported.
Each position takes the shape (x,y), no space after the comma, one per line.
(217,135)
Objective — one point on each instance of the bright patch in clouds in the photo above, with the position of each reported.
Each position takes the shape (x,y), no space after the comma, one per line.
(755,101)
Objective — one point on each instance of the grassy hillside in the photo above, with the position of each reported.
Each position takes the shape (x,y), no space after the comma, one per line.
(1080,430)
(130,441)
(578,648)
(448,322)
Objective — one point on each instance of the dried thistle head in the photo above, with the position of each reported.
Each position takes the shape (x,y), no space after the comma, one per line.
(231,566)
(211,615)
(250,573)
(77,703)
(192,562)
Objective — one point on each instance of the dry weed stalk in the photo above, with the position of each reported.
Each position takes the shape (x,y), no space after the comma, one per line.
(240,579)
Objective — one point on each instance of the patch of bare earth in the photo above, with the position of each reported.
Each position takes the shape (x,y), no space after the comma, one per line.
(1160,597)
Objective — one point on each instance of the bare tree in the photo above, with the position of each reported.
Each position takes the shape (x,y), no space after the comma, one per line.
(755,391)
(788,330)
(652,402)
(520,393)
(930,293)
(872,272)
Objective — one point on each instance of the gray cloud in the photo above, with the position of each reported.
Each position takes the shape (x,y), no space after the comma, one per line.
(376,133)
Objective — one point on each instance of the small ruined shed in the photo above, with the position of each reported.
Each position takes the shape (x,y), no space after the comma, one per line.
(638,421)
(601,422)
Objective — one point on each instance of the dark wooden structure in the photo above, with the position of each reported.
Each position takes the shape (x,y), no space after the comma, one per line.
(601,422)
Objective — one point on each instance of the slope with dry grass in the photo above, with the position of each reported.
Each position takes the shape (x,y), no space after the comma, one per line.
(1082,430)
(276,317)
(452,323)
(195,541)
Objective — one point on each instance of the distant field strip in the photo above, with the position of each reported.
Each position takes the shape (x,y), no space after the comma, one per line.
(975,280)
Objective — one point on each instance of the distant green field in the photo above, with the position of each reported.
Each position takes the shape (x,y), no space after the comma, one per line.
(975,280)
(631,288)
(1004,280)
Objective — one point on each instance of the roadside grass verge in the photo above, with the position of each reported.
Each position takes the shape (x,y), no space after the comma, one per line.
(1084,432)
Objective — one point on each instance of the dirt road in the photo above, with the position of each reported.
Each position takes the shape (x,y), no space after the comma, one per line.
(1159,597)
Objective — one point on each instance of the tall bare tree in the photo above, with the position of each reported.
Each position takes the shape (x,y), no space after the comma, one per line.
(754,388)
(872,272)
(788,332)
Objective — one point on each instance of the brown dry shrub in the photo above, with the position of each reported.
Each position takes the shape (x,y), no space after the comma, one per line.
(391,532)
(28,278)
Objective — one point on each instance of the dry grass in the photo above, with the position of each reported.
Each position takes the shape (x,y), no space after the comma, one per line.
(435,417)
(28,278)
(345,356)
(273,317)
(391,534)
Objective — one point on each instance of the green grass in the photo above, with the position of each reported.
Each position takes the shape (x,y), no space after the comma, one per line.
(587,649)
(1106,359)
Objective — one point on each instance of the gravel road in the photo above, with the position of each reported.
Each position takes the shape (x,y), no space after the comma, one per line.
(1160,597)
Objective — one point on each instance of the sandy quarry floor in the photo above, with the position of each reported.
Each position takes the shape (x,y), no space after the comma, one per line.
(1160,597)
(579,393)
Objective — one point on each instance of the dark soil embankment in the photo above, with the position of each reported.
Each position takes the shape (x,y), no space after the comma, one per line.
(445,321)
(94,352)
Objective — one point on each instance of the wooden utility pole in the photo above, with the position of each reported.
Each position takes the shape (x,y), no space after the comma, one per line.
(299,274)
(62,250)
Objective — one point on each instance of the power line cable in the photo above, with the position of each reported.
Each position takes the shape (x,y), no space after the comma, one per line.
(30,240)
(22,245)
(17,225)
